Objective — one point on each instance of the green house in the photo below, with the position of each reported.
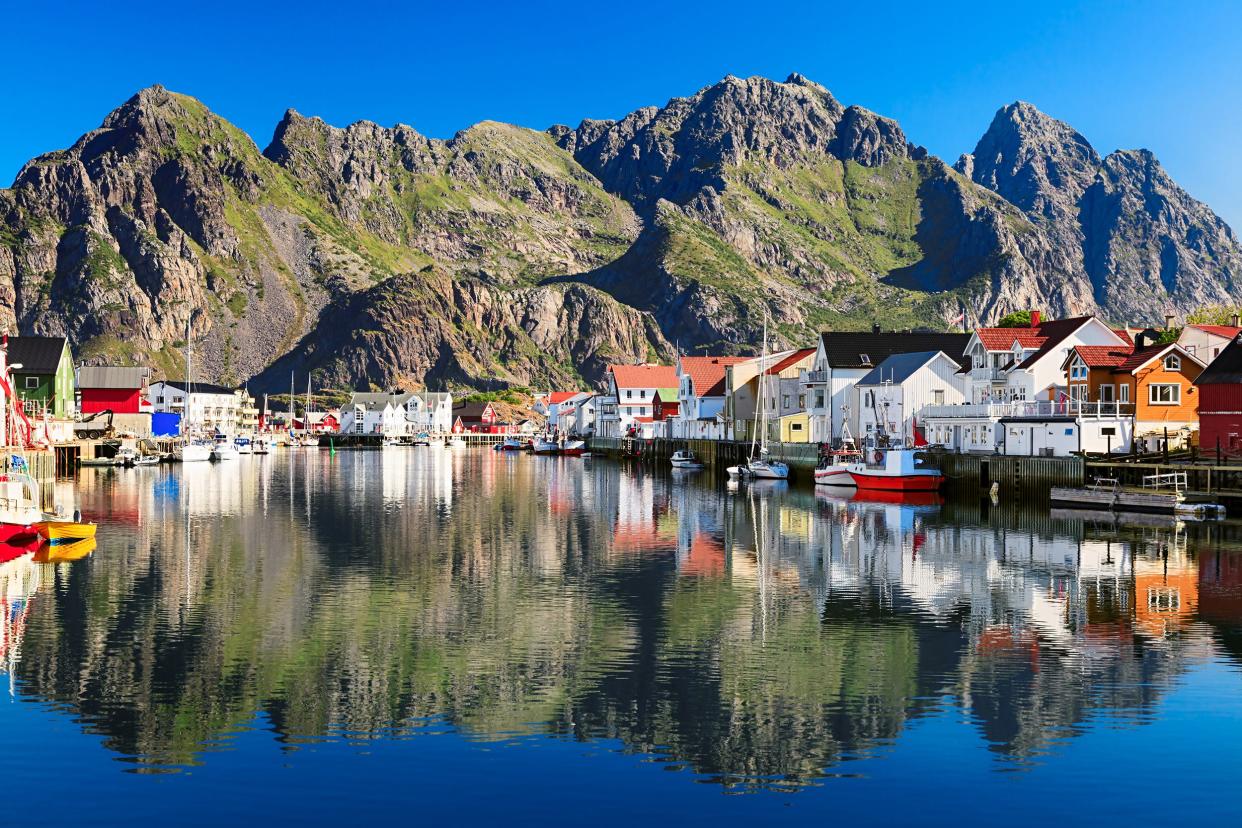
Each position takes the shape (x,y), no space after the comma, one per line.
(42,371)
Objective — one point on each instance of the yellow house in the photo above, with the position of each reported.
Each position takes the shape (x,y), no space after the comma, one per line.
(796,428)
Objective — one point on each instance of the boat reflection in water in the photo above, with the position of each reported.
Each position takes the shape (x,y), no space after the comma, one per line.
(761,636)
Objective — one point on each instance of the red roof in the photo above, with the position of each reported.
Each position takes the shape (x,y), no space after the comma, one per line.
(644,419)
(1227,331)
(644,376)
(1054,333)
(1124,334)
(792,359)
(1139,357)
(561,396)
(1002,339)
(1102,356)
(707,374)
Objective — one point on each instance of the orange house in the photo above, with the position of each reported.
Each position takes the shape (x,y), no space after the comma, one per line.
(1152,383)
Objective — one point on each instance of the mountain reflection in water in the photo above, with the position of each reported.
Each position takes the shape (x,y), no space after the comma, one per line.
(760,638)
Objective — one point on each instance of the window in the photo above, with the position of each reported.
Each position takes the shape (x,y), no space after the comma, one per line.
(868,399)
(865,359)
(802,401)
(1078,370)
(784,401)
(938,396)
(819,399)
(628,411)
(1078,393)
(1164,394)
(1172,363)
(1123,392)
(629,393)
(32,382)
(1106,393)
(795,426)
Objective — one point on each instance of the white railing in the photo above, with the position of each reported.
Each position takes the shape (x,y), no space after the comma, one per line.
(1170,480)
(1031,409)
(988,374)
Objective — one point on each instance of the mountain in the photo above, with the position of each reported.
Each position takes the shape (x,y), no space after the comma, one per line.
(377,256)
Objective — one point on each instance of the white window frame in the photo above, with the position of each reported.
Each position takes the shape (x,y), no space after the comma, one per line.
(1123,392)
(1078,370)
(31,383)
(1172,362)
(1112,393)
(1175,396)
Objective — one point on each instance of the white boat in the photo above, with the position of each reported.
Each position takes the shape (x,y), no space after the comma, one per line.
(510,444)
(243,445)
(834,469)
(457,442)
(685,459)
(391,442)
(896,469)
(261,445)
(224,449)
(192,452)
(761,466)
(547,447)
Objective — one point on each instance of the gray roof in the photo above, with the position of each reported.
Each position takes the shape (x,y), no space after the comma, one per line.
(898,368)
(198,387)
(111,376)
(432,397)
(377,401)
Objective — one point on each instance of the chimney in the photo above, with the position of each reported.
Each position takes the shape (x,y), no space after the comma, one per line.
(1168,321)
(875,328)
(1035,319)
(1236,321)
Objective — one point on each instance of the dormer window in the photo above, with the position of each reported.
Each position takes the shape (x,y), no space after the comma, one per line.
(865,359)
(1078,370)
(1172,363)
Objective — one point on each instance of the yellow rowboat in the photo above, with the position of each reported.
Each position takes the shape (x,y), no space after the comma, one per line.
(65,551)
(62,531)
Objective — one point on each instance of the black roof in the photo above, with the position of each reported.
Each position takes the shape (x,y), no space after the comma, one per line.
(865,349)
(36,354)
(1226,368)
(199,387)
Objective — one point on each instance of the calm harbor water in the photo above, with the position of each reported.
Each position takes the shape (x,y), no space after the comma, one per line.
(428,634)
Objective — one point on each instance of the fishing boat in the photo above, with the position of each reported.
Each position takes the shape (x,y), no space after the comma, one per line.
(761,466)
(834,468)
(147,460)
(685,459)
(896,468)
(19,508)
(510,444)
(573,448)
(423,439)
(65,531)
(223,449)
(98,461)
(547,447)
(192,451)
(126,457)
(243,445)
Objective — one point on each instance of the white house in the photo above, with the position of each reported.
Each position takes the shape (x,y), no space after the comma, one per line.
(559,403)
(1205,342)
(1016,390)
(842,358)
(701,397)
(577,417)
(200,404)
(435,412)
(893,395)
(628,407)
(397,413)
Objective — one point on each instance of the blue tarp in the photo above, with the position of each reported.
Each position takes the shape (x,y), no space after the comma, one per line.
(165,424)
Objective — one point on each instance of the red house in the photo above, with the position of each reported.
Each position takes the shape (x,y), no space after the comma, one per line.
(479,418)
(107,387)
(1220,403)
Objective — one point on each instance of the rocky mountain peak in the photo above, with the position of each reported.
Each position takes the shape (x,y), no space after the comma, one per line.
(1035,161)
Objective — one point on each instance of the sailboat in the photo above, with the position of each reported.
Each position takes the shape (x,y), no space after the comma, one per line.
(760,466)
(189,450)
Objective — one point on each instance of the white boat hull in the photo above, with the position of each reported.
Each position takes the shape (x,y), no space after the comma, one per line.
(192,453)
(221,453)
(835,475)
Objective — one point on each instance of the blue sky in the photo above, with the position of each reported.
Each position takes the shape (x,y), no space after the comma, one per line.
(1165,76)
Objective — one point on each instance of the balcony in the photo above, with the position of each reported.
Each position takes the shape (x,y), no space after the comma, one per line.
(994,375)
(814,377)
(1031,410)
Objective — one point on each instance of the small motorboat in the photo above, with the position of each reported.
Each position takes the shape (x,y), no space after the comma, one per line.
(65,531)
(224,449)
(98,461)
(192,452)
(510,444)
(391,442)
(243,445)
(685,459)
(456,442)
(147,460)
(573,448)
(260,445)
(834,469)
(126,457)
(547,447)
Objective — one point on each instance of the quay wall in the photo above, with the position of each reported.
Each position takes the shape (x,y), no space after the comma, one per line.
(1033,475)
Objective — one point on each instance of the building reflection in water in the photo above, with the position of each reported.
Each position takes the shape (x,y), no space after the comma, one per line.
(757,637)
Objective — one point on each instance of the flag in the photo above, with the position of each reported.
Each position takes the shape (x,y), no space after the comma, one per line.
(959,320)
